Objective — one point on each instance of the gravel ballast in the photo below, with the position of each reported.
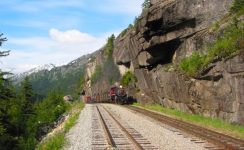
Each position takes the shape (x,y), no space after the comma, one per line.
(161,136)
(79,137)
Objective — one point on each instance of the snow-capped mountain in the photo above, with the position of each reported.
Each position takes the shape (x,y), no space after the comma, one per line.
(20,76)
(48,77)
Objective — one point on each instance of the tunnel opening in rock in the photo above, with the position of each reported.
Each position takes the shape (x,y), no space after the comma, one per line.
(159,27)
(181,24)
(126,64)
(163,53)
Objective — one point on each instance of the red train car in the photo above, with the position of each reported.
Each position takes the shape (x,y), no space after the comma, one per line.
(87,99)
(118,95)
(112,93)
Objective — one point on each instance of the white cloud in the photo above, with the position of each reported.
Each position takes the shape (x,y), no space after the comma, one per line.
(71,36)
(21,67)
(59,48)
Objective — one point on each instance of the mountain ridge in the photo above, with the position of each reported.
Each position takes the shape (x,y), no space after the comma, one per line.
(50,77)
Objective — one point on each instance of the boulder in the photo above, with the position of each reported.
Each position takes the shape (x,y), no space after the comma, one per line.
(68,98)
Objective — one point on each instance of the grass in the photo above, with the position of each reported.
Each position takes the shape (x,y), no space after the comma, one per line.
(74,115)
(57,141)
(211,123)
(70,122)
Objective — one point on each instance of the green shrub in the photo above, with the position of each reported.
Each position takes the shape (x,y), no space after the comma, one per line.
(58,140)
(191,65)
(127,78)
(27,143)
(146,4)
(96,75)
(237,7)
(221,49)
(50,108)
(224,46)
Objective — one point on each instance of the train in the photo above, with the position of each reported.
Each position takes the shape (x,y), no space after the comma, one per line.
(116,94)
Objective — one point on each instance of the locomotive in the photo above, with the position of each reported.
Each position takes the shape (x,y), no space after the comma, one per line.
(118,95)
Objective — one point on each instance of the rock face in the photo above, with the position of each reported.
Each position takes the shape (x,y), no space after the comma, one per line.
(97,86)
(164,34)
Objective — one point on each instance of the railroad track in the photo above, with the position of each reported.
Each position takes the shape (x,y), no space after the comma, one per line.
(111,133)
(222,141)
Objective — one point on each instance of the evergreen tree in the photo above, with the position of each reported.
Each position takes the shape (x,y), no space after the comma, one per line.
(109,47)
(27,96)
(27,110)
(20,121)
(8,130)
(146,4)
(8,109)
(3,53)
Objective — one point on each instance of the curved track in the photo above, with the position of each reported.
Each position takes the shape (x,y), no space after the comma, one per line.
(221,140)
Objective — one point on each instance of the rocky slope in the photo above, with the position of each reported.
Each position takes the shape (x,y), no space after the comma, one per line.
(100,74)
(164,34)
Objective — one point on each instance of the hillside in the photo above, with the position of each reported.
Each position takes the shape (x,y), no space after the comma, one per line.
(64,78)
(180,54)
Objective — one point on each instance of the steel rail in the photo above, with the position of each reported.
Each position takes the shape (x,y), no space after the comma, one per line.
(219,139)
(129,136)
(106,130)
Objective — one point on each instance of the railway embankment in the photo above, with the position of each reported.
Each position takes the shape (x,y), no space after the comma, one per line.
(55,139)
(218,125)
(90,133)
(108,126)
(219,139)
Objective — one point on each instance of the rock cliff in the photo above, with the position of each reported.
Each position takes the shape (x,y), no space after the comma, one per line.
(164,34)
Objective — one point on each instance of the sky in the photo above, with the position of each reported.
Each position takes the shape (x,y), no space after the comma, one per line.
(58,31)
